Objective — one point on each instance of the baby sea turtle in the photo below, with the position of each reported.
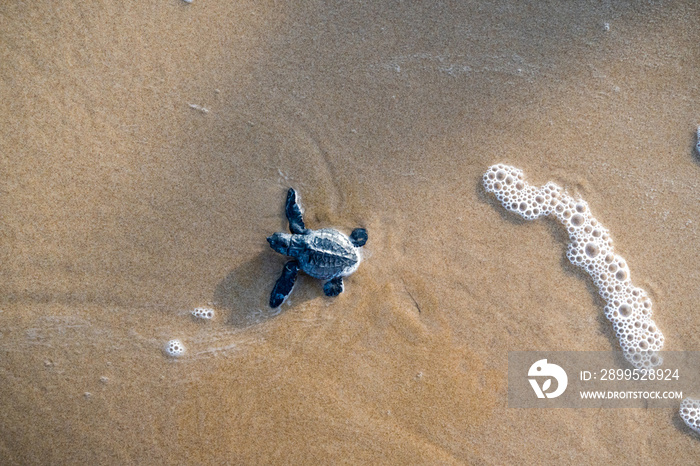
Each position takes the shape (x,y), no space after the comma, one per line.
(325,254)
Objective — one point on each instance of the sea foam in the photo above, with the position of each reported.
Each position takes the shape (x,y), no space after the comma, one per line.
(174,348)
(690,413)
(590,248)
(203,313)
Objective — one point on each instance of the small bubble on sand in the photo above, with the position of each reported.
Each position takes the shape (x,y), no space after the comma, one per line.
(203,313)
(174,348)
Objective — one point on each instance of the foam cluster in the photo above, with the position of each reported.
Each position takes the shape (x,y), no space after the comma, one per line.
(203,313)
(690,413)
(174,348)
(591,248)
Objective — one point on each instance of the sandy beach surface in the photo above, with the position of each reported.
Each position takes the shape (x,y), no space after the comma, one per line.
(145,152)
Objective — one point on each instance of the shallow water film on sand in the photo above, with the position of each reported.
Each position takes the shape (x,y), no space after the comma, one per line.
(145,150)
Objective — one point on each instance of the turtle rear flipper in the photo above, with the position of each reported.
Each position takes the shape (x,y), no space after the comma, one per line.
(333,287)
(284,284)
(293,211)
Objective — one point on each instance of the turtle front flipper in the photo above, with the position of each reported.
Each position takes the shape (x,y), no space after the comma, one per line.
(284,284)
(333,287)
(293,211)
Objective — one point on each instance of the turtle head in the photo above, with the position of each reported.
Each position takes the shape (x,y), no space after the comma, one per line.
(280,242)
(358,237)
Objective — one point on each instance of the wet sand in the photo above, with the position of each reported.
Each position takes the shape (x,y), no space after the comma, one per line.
(146,152)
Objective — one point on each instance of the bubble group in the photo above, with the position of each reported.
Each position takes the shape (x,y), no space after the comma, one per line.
(690,413)
(590,248)
(174,348)
(203,313)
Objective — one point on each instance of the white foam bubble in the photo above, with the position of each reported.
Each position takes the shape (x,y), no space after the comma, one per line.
(690,413)
(203,313)
(591,248)
(174,348)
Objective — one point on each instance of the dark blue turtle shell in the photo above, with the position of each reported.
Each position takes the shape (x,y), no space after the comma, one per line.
(325,254)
